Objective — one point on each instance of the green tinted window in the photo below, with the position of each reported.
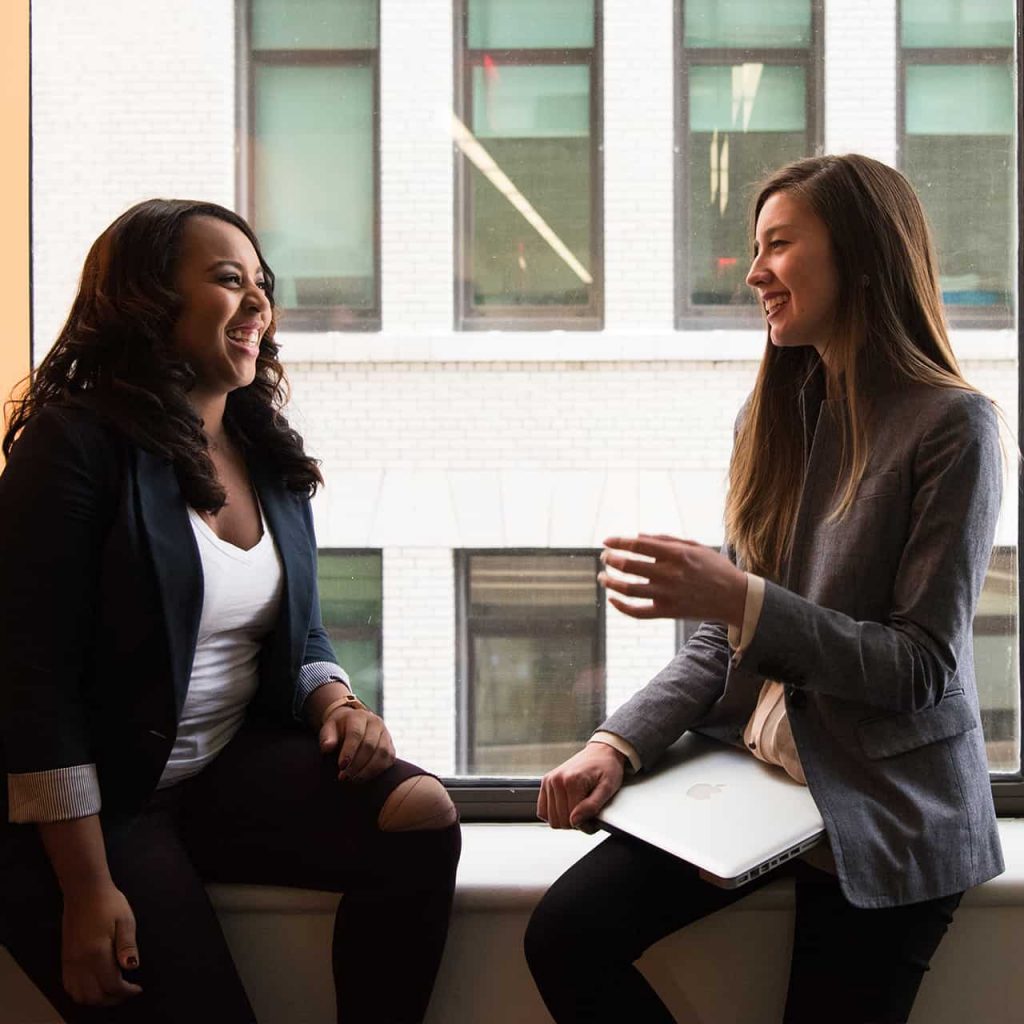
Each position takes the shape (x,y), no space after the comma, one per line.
(314,24)
(956,23)
(959,99)
(530,24)
(547,102)
(718,24)
(750,97)
(314,187)
(351,599)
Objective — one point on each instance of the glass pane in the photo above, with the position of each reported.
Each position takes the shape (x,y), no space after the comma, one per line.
(745,121)
(740,23)
(314,187)
(951,99)
(530,24)
(351,599)
(314,24)
(535,125)
(749,97)
(959,153)
(996,661)
(536,673)
(957,23)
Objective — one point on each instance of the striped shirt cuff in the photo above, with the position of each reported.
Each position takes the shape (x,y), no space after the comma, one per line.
(58,795)
(312,677)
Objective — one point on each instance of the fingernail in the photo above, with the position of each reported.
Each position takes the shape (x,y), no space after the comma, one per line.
(344,763)
(132,963)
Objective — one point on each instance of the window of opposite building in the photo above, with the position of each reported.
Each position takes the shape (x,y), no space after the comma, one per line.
(749,98)
(351,595)
(309,181)
(530,658)
(957,146)
(528,171)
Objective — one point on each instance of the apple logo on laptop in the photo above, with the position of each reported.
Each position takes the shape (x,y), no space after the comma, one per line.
(704,791)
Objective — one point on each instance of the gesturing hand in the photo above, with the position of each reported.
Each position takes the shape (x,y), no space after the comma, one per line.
(578,788)
(362,740)
(681,578)
(97,942)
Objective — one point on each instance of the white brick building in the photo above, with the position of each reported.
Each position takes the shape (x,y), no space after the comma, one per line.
(434,440)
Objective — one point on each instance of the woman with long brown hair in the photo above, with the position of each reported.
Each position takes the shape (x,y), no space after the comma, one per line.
(863,494)
(171,710)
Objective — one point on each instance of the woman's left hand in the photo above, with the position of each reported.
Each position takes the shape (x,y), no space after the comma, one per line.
(681,578)
(362,740)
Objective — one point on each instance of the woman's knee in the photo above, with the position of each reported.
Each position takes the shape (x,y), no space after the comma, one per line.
(417,804)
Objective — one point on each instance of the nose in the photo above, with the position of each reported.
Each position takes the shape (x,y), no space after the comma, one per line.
(256,299)
(758,274)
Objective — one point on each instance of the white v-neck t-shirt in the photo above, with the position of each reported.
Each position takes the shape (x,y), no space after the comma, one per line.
(241,594)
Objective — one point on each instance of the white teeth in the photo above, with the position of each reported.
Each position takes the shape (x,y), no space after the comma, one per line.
(245,337)
(774,303)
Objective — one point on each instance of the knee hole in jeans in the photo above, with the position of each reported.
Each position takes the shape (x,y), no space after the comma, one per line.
(416,804)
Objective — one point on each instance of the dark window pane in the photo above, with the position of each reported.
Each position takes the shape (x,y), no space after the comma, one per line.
(314,186)
(536,672)
(740,23)
(314,24)
(957,23)
(351,598)
(530,24)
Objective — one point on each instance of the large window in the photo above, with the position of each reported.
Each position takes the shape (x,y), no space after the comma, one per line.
(749,99)
(527,132)
(309,96)
(957,134)
(350,601)
(531,658)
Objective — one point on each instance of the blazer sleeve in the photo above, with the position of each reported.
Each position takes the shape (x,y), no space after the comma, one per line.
(319,662)
(55,496)
(906,662)
(678,697)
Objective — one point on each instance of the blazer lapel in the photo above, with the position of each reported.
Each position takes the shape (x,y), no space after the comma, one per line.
(172,545)
(284,514)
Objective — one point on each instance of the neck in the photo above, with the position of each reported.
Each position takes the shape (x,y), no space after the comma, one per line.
(210,409)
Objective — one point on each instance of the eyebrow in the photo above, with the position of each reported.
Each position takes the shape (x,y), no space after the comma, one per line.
(234,264)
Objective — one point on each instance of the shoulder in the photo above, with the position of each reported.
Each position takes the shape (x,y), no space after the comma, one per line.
(922,411)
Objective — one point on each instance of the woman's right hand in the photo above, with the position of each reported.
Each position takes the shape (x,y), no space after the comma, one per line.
(578,788)
(97,943)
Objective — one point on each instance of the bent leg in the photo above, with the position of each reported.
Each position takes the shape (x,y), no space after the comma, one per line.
(185,969)
(600,917)
(270,810)
(866,966)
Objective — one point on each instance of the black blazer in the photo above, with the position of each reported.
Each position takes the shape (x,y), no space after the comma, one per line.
(101,591)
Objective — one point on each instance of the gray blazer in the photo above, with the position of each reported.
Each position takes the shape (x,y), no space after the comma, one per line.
(870,631)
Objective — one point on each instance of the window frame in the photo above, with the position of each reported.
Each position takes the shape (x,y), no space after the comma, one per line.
(968,317)
(464,718)
(690,317)
(468,317)
(310,319)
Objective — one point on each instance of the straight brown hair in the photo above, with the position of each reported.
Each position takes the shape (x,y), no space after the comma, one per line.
(889,325)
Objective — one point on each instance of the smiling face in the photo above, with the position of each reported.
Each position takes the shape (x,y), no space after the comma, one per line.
(224,311)
(794,273)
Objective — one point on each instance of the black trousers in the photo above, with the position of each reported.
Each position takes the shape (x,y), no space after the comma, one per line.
(270,811)
(850,966)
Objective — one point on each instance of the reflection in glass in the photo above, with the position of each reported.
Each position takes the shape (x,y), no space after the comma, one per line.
(721,24)
(744,120)
(534,629)
(956,23)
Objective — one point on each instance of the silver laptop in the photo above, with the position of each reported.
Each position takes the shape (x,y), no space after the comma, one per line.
(718,808)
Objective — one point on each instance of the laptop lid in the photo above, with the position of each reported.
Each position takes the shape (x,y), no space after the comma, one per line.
(719,808)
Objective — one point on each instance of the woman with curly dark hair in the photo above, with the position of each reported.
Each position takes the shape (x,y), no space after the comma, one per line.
(163,659)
